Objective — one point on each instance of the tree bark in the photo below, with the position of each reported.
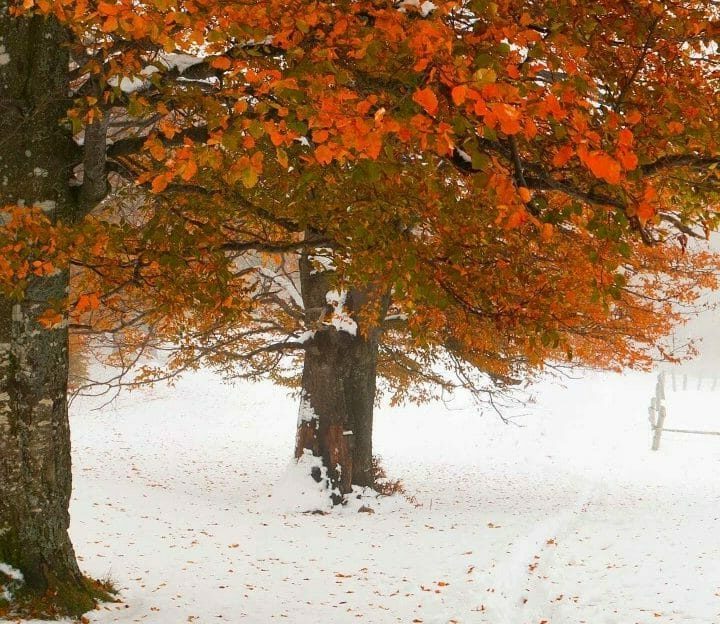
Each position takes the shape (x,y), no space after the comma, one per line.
(360,389)
(35,470)
(338,390)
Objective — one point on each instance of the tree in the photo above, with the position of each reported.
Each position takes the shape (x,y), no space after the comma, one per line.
(35,165)
(438,149)
(43,206)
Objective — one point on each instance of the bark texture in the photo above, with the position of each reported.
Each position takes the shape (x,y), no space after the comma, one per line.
(338,389)
(35,471)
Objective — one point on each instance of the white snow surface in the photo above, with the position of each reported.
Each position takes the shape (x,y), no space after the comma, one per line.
(183,496)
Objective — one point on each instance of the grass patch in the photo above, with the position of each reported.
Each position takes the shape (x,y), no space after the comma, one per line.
(62,599)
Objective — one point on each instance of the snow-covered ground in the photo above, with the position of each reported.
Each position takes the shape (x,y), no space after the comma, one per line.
(180,498)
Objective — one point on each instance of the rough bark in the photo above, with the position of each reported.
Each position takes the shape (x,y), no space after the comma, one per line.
(35,471)
(338,390)
(360,389)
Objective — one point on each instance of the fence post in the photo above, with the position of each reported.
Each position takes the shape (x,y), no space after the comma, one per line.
(659,404)
(659,428)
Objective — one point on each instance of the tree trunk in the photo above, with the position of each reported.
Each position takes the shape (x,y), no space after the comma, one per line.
(35,471)
(338,390)
(324,426)
(360,389)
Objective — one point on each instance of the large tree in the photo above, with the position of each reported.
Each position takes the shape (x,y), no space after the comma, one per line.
(36,163)
(511,179)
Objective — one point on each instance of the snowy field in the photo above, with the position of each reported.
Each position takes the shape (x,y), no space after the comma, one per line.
(181,499)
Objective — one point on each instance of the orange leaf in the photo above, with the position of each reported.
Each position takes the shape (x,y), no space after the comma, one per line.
(602,165)
(516,219)
(562,156)
(625,138)
(320,136)
(221,62)
(324,155)
(427,99)
(634,117)
(159,183)
(547,231)
(108,8)
(629,160)
(458,94)
(110,24)
(50,318)
(189,171)
(645,211)
(85,302)
(508,116)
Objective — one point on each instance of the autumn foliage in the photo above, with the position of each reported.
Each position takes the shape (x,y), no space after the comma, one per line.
(499,157)
(513,183)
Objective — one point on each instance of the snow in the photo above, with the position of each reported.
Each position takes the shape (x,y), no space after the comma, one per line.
(188,499)
(180,62)
(133,83)
(306,413)
(425,7)
(47,205)
(340,319)
(296,490)
(16,579)
(127,85)
(288,290)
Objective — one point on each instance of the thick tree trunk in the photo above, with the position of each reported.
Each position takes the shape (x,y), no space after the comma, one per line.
(360,389)
(324,426)
(338,391)
(35,474)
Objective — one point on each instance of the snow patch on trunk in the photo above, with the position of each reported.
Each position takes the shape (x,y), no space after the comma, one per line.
(340,319)
(306,413)
(10,580)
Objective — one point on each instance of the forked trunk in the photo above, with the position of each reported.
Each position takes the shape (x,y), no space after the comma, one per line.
(35,475)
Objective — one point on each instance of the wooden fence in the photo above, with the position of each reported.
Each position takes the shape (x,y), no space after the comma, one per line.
(658,409)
